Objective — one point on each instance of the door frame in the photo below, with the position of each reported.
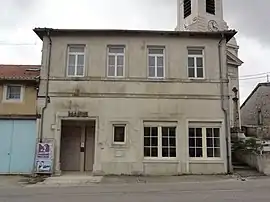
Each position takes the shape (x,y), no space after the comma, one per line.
(63,116)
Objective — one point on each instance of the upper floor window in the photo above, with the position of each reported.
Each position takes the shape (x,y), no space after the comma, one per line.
(187,8)
(76,60)
(195,63)
(156,62)
(211,7)
(13,93)
(116,61)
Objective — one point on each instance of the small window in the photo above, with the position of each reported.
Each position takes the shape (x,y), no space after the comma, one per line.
(116,61)
(211,7)
(156,62)
(119,134)
(76,61)
(159,142)
(13,93)
(187,8)
(204,142)
(195,63)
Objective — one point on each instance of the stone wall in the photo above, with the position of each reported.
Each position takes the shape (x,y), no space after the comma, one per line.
(262,132)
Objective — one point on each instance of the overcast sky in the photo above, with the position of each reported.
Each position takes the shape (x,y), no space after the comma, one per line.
(19,45)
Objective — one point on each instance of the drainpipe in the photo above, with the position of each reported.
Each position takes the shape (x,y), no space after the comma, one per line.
(47,86)
(227,131)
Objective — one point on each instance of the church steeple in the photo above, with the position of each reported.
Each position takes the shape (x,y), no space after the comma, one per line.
(200,15)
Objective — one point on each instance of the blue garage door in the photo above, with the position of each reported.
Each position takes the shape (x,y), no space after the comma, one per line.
(18,140)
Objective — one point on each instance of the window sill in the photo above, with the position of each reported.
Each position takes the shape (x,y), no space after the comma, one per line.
(12,101)
(206,161)
(173,160)
(119,146)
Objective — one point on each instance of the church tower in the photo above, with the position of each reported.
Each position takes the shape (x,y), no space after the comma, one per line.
(200,15)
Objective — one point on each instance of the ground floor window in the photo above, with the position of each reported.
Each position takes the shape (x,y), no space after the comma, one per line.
(160,141)
(204,142)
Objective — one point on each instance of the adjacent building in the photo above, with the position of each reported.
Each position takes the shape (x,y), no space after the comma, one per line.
(255,112)
(140,101)
(18,131)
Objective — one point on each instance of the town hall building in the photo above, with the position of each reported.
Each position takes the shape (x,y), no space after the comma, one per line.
(141,102)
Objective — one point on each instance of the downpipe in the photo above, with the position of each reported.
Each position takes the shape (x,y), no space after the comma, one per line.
(224,109)
(47,86)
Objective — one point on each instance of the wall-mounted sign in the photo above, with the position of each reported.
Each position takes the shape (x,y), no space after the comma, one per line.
(77,114)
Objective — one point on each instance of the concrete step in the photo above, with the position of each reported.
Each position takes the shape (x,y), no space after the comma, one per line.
(242,167)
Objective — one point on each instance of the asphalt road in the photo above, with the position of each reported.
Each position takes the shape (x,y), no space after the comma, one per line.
(248,191)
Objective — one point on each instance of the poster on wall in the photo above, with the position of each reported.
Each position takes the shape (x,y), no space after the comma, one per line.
(44,157)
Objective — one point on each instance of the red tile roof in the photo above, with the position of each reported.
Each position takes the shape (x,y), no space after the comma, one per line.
(19,72)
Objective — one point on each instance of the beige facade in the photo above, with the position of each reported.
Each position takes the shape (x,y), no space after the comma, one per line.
(175,102)
(25,106)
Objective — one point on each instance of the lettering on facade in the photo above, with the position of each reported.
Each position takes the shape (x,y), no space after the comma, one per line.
(77,114)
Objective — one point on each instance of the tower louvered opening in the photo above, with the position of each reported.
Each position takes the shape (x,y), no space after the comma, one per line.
(187,8)
(211,7)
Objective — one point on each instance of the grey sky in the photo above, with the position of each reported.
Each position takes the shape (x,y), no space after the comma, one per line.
(19,17)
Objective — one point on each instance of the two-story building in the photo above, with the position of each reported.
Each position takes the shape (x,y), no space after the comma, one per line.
(18,130)
(141,101)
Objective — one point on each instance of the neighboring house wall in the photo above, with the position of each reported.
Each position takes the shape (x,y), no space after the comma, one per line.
(133,99)
(25,106)
(255,111)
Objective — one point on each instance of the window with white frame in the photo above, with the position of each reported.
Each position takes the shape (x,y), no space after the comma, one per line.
(159,141)
(13,93)
(204,142)
(119,133)
(195,63)
(116,61)
(76,60)
(156,62)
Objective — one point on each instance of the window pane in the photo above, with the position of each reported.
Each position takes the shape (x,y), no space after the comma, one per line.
(147,141)
(71,60)
(198,142)
(210,152)
(151,71)
(120,70)
(191,132)
(209,132)
(195,52)
(120,60)
(76,49)
(199,62)
(147,151)
(154,141)
(172,131)
(80,70)
(172,142)
(71,70)
(154,152)
(199,152)
(151,61)
(216,142)
(198,132)
(165,152)
(146,131)
(160,72)
(13,92)
(190,62)
(80,60)
(165,142)
(191,142)
(116,50)
(199,72)
(155,51)
(191,72)
(173,152)
(216,132)
(165,131)
(111,71)
(192,152)
(111,60)
(119,133)
(209,142)
(217,152)
(154,131)
(160,62)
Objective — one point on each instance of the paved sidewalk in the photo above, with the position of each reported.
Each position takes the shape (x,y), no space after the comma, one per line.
(12,181)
